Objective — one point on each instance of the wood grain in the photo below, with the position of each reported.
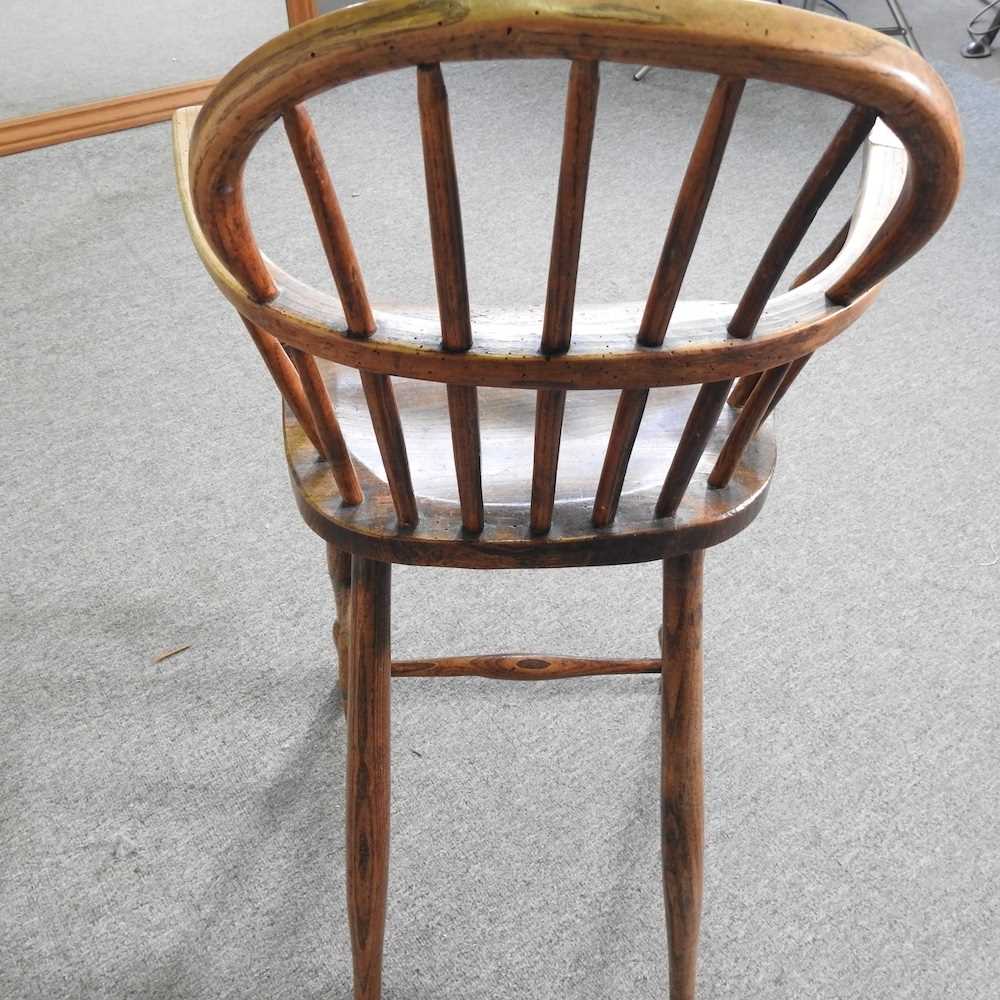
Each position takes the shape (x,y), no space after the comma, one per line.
(682,797)
(564,261)
(81,121)
(334,447)
(338,564)
(392,445)
(521,667)
(750,418)
(368,773)
(299,11)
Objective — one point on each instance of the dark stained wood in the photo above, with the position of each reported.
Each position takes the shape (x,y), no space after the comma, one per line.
(448,247)
(330,222)
(799,217)
(682,796)
(286,378)
(701,422)
(368,773)
(338,564)
(682,234)
(564,261)
(689,211)
(628,417)
(521,667)
(550,404)
(826,258)
(750,418)
(334,447)
(392,445)
(786,383)
(745,386)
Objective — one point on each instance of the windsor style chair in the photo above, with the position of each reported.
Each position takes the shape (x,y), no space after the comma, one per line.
(376,398)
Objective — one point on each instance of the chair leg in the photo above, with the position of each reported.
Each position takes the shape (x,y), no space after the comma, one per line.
(368,772)
(682,809)
(339,564)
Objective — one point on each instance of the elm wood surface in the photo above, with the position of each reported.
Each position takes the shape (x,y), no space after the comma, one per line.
(682,796)
(397,388)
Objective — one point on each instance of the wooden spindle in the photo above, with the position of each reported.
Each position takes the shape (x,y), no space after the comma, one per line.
(448,247)
(750,418)
(701,422)
(564,260)
(826,258)
(330,220)
(286,378)
(798,218)
(744,387)
(391,445)
(334,447)
(300,11)
(682,234)
(786,383)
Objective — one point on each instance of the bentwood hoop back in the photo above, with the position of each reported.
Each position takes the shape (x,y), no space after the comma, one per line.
(495,391)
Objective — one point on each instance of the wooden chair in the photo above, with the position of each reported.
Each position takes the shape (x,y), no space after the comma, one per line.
(375,399)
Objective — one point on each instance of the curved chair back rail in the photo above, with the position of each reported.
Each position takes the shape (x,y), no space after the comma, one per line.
(913,165)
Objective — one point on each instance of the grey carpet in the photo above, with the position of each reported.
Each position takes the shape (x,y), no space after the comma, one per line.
(176,830)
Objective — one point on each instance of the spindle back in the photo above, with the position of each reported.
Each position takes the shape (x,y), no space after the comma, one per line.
(910,181)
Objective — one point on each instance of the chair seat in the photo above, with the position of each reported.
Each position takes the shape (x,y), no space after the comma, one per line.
(507,423)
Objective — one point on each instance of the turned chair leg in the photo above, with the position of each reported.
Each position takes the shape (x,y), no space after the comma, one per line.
(682,809)
(368,772)
(339,564)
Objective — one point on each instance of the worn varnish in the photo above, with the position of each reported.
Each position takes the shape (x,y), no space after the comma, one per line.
(449,437)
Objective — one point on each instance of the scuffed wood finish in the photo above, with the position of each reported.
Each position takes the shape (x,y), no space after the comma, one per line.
(751,415)
(334,447)
(521,667)
(798,218)
(286,378)
(368,772)
(682,797)
(701,422)
(392,446)
(448,246)
(682,234)
(330,222)
(338,564)
(564,261)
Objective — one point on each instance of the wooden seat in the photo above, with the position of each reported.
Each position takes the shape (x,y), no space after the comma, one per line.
(564,435)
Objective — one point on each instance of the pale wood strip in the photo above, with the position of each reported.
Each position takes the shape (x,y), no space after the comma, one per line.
(334,448)
(564,260)
(99,117)
(391,444)
(447,243)
(701,422)
(521,667)
(799,217)
(286,378)
(330,222)
(746,426)
(689,210)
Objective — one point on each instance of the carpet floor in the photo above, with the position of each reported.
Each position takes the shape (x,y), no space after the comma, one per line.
(175,830)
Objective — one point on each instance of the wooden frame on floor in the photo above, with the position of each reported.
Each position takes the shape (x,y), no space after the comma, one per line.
(114,114)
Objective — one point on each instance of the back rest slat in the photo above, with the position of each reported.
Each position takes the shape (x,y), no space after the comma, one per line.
(701,422)
(564,261)
(330,222)
(678,245)
(346,272)
(448,246)
(798,218)
(391,445)
(750,418)
(327,427)
(286,378)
